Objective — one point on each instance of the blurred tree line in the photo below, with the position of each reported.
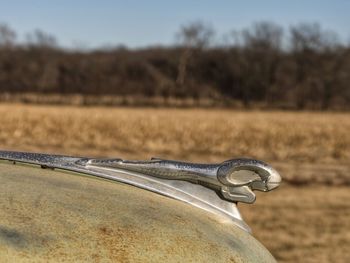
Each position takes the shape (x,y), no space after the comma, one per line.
(306,68)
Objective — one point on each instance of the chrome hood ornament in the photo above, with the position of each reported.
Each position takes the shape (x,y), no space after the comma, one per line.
(234,180)
(215,188)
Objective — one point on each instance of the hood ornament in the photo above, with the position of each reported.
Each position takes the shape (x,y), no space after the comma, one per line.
(234,180)
(215,188)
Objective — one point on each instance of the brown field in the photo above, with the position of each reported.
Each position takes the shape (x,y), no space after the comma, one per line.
(306,220)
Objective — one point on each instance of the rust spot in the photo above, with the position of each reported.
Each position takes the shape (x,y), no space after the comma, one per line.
(118,242)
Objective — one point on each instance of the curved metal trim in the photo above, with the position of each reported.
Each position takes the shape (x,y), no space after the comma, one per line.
(196,195)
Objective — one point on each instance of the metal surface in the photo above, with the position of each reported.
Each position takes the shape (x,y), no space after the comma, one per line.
(192,183)
(51,215)
(234,179)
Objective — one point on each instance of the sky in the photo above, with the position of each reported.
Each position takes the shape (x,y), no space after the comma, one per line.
(90,24)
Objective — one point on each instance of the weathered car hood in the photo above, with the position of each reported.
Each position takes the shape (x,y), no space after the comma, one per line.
(58,214)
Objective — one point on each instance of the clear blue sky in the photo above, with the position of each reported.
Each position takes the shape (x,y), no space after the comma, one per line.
(150,22)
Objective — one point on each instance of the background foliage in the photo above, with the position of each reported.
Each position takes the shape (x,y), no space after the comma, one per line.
(306,67)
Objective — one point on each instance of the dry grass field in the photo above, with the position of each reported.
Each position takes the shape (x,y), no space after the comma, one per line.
(306,220)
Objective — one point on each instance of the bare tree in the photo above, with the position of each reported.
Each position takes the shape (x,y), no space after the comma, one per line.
(193,36)
(263,35)
(41,39)
(316,61)
(7,36)
(258,54)
(306,37)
